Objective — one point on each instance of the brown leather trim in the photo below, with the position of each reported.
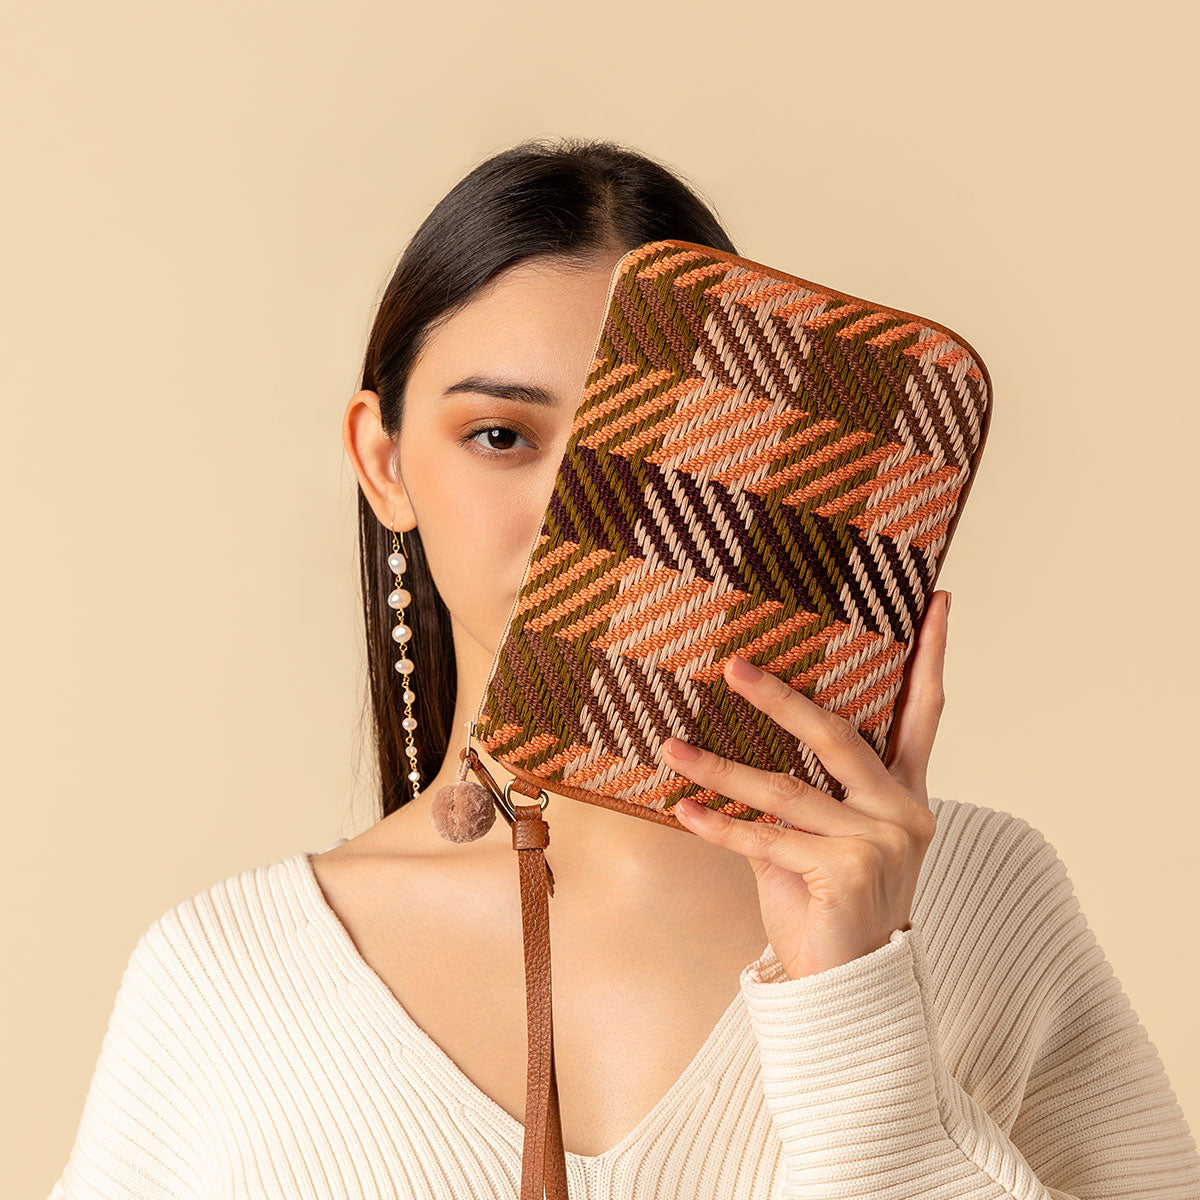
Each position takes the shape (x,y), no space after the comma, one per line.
(530,784)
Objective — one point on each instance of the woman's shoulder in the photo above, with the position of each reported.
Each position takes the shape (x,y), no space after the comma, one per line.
(964,824)
(994,888)
(241,928)
(983,853)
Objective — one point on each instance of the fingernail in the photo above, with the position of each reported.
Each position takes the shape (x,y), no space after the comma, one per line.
(678,748)
(685,808)
(739,668)
(949,597)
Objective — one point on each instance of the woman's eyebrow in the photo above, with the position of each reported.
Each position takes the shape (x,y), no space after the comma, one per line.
(526,393)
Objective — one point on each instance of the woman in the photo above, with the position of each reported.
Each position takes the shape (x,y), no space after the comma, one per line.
(900,997)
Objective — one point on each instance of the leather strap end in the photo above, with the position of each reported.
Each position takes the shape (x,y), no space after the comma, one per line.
(543,1160)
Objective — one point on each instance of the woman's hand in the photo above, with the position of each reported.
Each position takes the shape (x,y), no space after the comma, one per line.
(838,885)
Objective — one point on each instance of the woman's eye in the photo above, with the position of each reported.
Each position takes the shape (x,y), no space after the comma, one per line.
(489,430)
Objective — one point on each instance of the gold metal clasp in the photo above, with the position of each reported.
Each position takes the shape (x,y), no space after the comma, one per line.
(543,800)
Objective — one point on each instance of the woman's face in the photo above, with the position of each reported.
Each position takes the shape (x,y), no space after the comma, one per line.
(488,409)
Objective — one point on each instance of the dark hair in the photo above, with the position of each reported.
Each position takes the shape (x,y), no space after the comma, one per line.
(572,197)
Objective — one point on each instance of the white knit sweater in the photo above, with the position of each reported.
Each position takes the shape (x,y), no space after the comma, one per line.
(989,1052)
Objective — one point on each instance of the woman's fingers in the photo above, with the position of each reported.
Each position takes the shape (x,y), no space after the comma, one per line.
(843,751)
(798,803)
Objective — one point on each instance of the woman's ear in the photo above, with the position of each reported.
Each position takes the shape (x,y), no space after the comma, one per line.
(374,457)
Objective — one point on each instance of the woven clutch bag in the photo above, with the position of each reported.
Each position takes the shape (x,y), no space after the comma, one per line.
(758,464)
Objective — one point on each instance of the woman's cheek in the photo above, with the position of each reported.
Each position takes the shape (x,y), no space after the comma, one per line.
(478,524)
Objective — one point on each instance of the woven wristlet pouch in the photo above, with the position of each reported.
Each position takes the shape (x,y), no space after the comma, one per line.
(758,465)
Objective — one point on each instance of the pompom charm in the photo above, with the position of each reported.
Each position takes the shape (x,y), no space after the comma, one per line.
(462,811)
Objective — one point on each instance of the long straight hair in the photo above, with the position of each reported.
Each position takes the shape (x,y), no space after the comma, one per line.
(571,197)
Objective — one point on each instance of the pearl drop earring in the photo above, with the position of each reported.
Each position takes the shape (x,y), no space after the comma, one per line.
(400,599)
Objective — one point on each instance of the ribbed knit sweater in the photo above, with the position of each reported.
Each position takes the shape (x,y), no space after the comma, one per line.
(986,1053)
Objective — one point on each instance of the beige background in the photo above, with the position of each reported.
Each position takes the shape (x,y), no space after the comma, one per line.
(205,203)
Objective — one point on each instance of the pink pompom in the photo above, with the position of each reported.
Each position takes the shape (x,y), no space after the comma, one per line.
(462,812)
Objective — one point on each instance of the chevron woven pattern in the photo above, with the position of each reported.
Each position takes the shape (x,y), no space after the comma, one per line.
(760,465)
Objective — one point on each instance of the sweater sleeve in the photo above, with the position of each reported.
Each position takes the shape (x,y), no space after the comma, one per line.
(860,1094)
(139,1136)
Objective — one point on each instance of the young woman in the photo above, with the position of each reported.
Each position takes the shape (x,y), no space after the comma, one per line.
(898,998)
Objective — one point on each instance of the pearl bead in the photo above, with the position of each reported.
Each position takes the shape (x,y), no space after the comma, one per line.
(415,776)
(400,598)
(401,633)
(409,723)
(397,562)
(409,696)
(411,751)
(405,666)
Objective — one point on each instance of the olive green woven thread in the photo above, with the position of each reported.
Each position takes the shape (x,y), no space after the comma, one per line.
(882,379)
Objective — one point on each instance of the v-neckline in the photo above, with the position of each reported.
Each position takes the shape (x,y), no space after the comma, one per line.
(469,1092)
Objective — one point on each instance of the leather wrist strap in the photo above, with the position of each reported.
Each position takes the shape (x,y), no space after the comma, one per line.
(543,1162)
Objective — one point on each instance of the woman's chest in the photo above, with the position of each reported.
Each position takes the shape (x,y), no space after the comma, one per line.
(637,1012)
